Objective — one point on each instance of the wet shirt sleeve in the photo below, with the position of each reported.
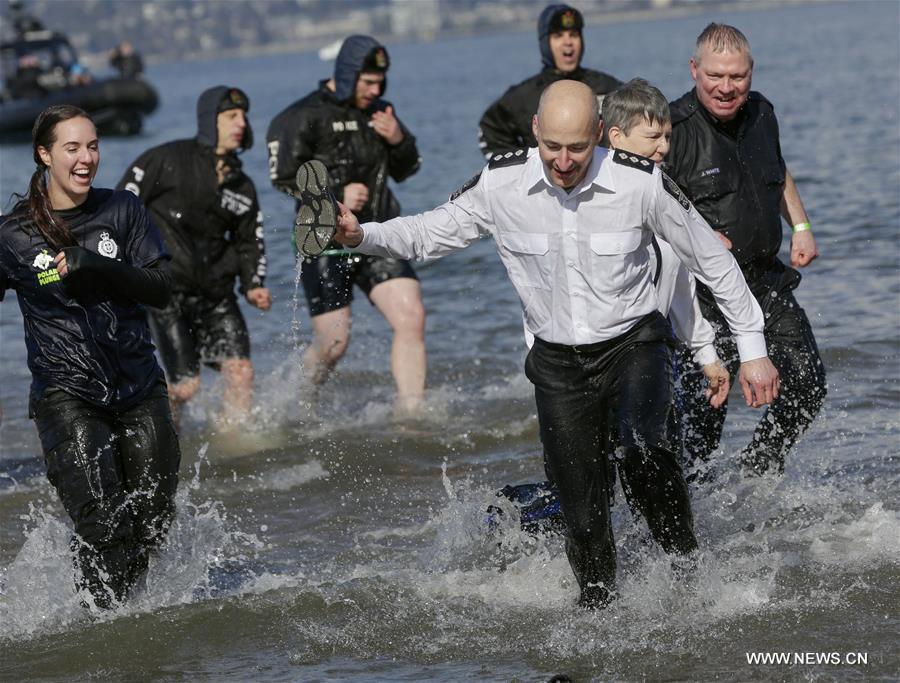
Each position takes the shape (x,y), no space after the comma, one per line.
(670,215)
(465,218)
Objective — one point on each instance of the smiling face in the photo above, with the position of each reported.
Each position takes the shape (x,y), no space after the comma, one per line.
(723,81)
(71,162)
(567,130)
(565,46)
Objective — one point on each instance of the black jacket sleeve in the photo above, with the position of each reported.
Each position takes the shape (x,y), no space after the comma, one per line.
(404,159)
(145,177)
(150,285)
(248,241)
(497,129)
(290,141)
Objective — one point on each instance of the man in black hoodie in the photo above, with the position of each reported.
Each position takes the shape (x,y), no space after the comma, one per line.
(506,125)
(348,127)
(207,210)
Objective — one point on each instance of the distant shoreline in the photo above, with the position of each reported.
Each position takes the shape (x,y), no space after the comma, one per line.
(98,60)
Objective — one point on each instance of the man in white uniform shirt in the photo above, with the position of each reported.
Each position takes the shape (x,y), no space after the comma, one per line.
(572,223)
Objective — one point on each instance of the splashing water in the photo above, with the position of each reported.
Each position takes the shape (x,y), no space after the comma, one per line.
(203,556)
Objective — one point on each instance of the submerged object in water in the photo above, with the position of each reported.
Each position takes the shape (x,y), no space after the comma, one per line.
(539,511)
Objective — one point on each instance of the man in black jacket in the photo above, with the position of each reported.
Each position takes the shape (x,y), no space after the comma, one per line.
(348,127)
(206,208)
(506,125)
(726,156)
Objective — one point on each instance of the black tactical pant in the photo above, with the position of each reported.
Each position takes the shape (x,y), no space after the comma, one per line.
(116,474)
(792,349)
(611,399)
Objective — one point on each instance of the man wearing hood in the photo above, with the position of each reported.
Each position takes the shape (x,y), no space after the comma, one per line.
(506,125)
(207,210)
(347,126)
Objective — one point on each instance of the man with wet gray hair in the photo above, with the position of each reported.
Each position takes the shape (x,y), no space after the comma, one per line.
(726,156)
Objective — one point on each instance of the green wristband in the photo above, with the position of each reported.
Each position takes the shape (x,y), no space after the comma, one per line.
(801,227)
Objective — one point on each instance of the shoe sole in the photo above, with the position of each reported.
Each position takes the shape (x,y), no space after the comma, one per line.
(316,220)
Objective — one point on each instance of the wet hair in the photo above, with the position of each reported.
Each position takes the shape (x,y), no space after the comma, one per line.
(36,203)
(634,102)
(722,38)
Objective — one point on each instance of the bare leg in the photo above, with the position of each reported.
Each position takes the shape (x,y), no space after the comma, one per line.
(400,302)
(331,334)
(180,393)
(238,376)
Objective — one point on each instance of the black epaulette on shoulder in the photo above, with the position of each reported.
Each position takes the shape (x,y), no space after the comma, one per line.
(633,160)
(520,156)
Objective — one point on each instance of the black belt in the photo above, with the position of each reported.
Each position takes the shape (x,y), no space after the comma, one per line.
(599,347)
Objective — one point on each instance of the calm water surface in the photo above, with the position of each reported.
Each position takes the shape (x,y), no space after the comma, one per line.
(329,542)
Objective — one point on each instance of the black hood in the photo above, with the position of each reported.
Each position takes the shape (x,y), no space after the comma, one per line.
(358,52)
(210,104)
(558,18)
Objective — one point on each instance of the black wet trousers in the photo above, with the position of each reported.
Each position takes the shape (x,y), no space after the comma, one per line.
(116,474)
(611,399)
(792,349)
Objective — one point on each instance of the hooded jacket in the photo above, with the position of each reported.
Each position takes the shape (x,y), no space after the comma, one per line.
(327,126)
(506,125)
(213,231)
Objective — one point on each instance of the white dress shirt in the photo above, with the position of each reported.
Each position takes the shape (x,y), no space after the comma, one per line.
(676,290)
(579,260)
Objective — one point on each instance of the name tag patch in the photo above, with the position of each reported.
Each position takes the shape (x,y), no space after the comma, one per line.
(672,188)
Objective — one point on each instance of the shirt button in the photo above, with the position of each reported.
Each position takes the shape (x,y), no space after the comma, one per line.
(571,263)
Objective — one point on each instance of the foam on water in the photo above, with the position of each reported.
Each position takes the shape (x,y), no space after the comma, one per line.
(773,551)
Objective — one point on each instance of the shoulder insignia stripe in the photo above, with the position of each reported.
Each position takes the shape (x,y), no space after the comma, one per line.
(672,188)
(468,185)
(633,160)
(520,156)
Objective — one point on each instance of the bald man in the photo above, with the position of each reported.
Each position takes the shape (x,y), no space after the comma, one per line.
(572,223)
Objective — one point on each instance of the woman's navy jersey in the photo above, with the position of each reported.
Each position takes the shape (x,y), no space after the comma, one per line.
(82,337)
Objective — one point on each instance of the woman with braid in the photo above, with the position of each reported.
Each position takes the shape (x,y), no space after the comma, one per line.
(84,262)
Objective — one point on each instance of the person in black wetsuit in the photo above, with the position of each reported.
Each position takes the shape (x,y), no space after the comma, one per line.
(726,156)
(506,125)
(207,209)
(84,263)
(348,127)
